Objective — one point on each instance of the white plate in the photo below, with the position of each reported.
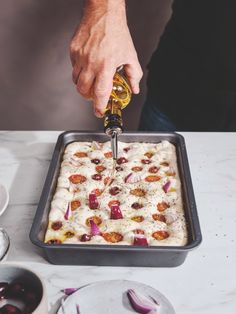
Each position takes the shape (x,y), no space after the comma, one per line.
(109,297)
(4,198)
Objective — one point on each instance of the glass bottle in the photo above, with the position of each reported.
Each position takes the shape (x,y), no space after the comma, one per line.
(119,99)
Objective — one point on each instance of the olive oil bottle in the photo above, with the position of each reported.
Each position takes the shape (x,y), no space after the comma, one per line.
(119,99)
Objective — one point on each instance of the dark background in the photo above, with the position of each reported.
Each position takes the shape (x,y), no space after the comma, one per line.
(36,91)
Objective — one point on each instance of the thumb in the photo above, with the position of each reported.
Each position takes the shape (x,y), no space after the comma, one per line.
(134,74)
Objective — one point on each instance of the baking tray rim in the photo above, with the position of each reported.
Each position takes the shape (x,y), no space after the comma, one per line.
(33,235)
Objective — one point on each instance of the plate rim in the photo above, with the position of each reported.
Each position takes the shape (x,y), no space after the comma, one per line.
(5,204)
(94,283)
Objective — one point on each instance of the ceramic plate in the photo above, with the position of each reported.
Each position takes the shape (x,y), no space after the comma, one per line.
(4,198)
(109,297)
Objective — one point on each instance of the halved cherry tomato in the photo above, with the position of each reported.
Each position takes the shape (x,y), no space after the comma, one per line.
(137,169)
(81,154)
(97,220)
(159,217)
(153,169)
(97,192)
(160,235)
(149,154)
(138,218)
(107,180)
(100,168)
(170,173)
(69,234)
(112,237)
(75,204)
(152,178)
(77,178)
(165,164)
(162,206)
(108,154)
(138,192)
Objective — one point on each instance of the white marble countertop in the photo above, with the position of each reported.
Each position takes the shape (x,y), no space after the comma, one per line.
(205,283)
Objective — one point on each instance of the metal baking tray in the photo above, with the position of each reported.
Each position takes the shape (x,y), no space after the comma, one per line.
(118,255)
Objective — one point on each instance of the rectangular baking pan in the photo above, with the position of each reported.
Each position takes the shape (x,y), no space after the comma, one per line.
(154,256)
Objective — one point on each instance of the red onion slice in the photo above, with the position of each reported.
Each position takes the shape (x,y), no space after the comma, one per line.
(166,186)
(69,291)
(140,239)
(142,304)
(77,309)
(116,212)
(132,178)
(68,212)
(94,228)
(93,201)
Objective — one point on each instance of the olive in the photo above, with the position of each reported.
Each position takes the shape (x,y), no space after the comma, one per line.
(3,289)
(10,309)
(115,190)
(95,161)
(16,289)
(118,168)
(97,177)
(85,237)
(121,160)
(136,205)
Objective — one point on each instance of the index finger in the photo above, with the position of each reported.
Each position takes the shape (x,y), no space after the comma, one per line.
(102,90)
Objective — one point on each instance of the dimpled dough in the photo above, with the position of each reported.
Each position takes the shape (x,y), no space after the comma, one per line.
(161,209)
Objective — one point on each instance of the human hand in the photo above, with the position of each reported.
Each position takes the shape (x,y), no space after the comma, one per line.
(102,44)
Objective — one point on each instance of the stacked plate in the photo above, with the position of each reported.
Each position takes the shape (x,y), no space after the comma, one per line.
(4,239)
(110,297)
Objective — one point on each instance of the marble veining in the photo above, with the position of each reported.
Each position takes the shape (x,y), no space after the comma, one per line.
(204,284)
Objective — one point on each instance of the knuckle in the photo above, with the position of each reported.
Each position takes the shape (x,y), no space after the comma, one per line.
(82,88)
(101,92)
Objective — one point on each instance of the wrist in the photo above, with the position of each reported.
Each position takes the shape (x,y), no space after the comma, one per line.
(111,8)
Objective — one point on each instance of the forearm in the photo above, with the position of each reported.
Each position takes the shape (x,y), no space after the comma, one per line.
(111,7)
(103,14)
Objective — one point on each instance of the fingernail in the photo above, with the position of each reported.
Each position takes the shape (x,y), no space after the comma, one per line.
(136,90)
(98,114)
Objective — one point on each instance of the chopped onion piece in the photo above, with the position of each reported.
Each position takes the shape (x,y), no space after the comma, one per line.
(170,218)
(141,303)
(94,228)
(69,291)
(68,212)
(166,186)
(93,201)
(95,145)
(74,161)
(116,212)
(132,178)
